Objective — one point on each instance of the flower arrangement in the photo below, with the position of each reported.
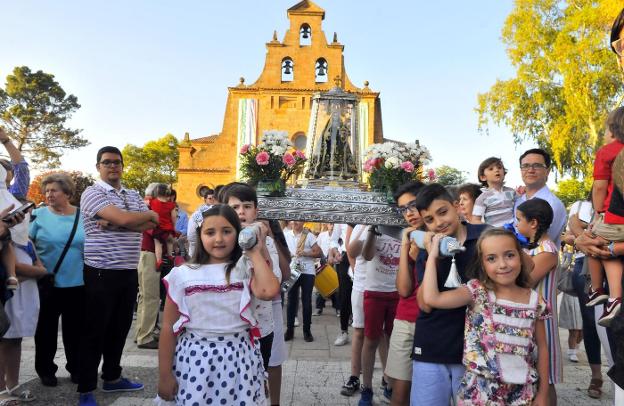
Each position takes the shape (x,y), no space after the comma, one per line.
(274,159)
(391,164)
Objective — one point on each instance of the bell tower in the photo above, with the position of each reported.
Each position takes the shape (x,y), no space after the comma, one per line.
(300,65)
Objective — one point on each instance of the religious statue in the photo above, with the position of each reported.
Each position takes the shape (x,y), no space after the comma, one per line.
(332,156)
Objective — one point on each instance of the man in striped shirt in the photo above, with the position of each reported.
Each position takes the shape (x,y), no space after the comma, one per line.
(114,218)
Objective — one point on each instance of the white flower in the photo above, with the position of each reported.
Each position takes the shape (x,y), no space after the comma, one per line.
(393,162)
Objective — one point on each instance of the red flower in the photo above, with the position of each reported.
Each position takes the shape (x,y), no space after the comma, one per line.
(288,159)
(263,158)
(300,154)
(245,148)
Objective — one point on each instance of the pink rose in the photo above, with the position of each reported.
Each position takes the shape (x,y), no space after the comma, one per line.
(431,174)
(300,154)
(407,166)
(288,159)
(245,148)
(263,158)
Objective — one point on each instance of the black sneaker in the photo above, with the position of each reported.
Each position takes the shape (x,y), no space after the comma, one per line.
(352,386)
(307,337)
(289,334)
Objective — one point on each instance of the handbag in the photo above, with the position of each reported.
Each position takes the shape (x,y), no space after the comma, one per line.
(46,283)
(565,276)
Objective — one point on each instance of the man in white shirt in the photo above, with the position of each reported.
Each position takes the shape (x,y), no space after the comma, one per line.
(535,165)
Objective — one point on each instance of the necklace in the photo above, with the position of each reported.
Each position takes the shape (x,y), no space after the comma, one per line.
(62,211)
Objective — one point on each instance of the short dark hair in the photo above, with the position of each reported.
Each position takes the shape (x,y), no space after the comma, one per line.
(537,151)
(616,28)
(162,190)
(431,192)
(217,193)
(486,164)
(615,123)
(241,191)
(174,194)
(412,187)
(471,189)
(205,191)
(110,150)
(540,210)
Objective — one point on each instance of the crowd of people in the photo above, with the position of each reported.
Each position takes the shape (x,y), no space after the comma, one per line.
(460,305)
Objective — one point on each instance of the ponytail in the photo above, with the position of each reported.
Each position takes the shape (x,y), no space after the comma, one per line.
(540,211)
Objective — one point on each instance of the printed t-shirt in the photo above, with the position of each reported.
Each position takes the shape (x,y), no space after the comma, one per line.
(603,170)
(439,335)
(382,269)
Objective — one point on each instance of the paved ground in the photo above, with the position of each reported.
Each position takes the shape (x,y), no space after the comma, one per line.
(312,375)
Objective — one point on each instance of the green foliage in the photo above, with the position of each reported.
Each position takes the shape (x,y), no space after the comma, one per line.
(448,176)
(156,161)
(571,190)
(567,79)
(34,109)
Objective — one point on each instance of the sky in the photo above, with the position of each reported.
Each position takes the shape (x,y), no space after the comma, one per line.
(145,68)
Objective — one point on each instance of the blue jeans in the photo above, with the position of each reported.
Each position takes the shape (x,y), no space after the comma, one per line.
(590,335)
(435,384)
(305,283)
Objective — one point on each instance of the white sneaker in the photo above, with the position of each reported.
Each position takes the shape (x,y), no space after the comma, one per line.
(342,339)
(296,324)
(572,356)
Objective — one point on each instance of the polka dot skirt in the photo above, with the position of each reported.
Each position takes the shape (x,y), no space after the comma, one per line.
(218,371)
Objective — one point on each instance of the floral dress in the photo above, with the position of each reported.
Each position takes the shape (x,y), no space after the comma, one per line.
(499,349)
(547,288)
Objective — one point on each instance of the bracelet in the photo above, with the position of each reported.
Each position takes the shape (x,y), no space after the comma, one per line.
(612,249)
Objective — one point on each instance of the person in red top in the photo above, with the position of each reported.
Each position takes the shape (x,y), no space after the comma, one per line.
(609,222)
(165,232)
(399,363)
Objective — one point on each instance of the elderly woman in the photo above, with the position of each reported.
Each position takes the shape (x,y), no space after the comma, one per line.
(51,232)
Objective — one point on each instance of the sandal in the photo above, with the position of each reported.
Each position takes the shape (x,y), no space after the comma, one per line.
(6,399)
(12,283)
(24,396)
(594,391)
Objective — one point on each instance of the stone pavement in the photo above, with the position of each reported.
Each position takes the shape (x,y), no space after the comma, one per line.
(313,374)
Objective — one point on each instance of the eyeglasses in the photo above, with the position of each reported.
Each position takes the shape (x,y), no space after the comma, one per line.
(618,46)
(411,207)
(109,164)
(526,167)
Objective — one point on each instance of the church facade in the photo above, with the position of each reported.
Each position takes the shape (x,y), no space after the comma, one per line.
(304,63)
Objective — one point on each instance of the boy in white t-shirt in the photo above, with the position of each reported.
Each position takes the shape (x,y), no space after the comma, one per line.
(382,254)
(303,248)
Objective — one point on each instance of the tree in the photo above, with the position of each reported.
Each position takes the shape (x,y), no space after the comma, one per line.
(81,181)
(34,109)
(567,79)
(571,190)
(447,176)
(156,161)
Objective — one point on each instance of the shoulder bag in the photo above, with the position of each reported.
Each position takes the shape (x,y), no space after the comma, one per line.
(46,283)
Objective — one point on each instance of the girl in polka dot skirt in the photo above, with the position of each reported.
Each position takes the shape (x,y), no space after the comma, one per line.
(209,351)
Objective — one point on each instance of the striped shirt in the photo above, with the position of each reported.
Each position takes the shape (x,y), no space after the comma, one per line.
(496,207)
(107,249)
